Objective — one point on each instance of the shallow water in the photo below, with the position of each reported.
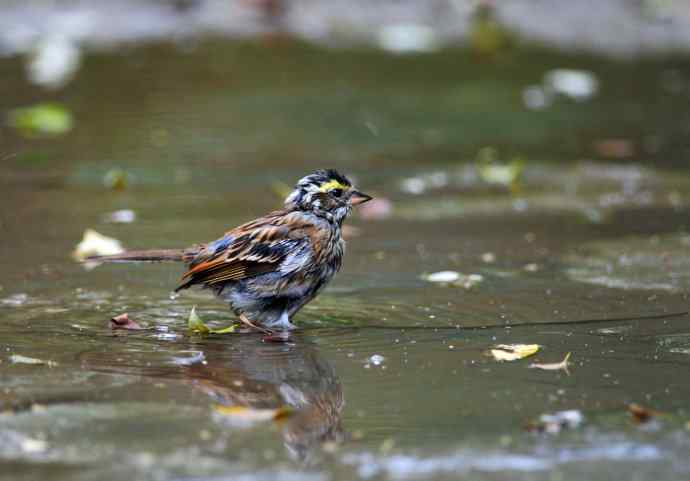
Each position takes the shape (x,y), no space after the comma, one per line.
(205,134)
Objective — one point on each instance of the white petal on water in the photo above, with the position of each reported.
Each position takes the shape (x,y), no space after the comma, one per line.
(407,37)
(443,276)
(576,84)
(54,62)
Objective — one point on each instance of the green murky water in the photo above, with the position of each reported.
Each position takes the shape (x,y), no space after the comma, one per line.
(204,134)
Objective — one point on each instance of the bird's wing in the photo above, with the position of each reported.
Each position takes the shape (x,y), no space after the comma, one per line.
(254,248)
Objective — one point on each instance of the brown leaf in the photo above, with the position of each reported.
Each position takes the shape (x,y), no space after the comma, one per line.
(554,366)
(641,414)
(124,322)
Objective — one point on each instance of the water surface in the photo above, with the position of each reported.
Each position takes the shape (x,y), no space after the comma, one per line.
(207,134)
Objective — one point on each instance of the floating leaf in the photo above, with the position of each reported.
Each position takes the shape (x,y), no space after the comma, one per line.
(555,366)
(19,359)
(513,352)
(195,324)
(641,414)
(41,119)
(246,415)
(124,322)
(116,179)
(493,172)
(95,244)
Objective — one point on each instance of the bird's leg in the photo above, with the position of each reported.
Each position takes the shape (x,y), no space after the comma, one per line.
(249,323)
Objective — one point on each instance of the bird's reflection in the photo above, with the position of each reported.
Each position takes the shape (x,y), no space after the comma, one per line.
(243,371)
(269,376)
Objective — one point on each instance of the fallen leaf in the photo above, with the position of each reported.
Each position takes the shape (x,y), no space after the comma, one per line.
(95,244)
(556,422)
(615,148)
(492,171)
(116,179)
(41,119)
(554,366)
(19,359)
(641,414)
(195,324)
(243,415)
(124,322)
(513,352)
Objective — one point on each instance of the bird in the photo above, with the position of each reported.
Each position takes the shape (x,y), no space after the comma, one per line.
(269,268)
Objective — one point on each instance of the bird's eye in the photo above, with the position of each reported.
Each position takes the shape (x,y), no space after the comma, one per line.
(337,192)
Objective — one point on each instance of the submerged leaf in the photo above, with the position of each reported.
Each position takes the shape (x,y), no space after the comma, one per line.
(195,324)
(124,322)
(41,119)
(95,244)
(554,366)
(513,352)
(19,359)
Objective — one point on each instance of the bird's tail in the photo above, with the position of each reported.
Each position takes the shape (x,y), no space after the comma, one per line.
(155,255)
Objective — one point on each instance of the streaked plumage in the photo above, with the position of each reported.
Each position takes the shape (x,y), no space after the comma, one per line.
(267,269)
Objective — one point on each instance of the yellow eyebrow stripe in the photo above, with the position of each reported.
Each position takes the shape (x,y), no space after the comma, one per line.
(333,184)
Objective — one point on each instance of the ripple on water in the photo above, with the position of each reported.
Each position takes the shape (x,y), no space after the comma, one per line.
(634,263)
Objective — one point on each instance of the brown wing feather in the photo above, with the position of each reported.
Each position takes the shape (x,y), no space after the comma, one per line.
(257,247)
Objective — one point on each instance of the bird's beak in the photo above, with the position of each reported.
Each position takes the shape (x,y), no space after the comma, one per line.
(359,198)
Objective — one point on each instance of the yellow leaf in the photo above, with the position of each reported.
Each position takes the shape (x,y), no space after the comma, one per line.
(250,415)
(195,324)
(224,330)
(513,352)
(95,244)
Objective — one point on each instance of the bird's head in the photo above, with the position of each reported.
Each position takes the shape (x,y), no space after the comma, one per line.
(327,193)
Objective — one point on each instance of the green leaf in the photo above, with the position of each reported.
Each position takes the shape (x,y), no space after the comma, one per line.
(41,119)
(224,330)
(195,324)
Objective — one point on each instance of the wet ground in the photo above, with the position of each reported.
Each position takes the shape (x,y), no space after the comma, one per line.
(389,376)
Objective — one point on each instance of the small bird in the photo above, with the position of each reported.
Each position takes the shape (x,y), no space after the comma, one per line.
(269,268)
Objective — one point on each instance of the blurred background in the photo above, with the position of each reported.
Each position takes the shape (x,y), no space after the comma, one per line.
(530,163)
